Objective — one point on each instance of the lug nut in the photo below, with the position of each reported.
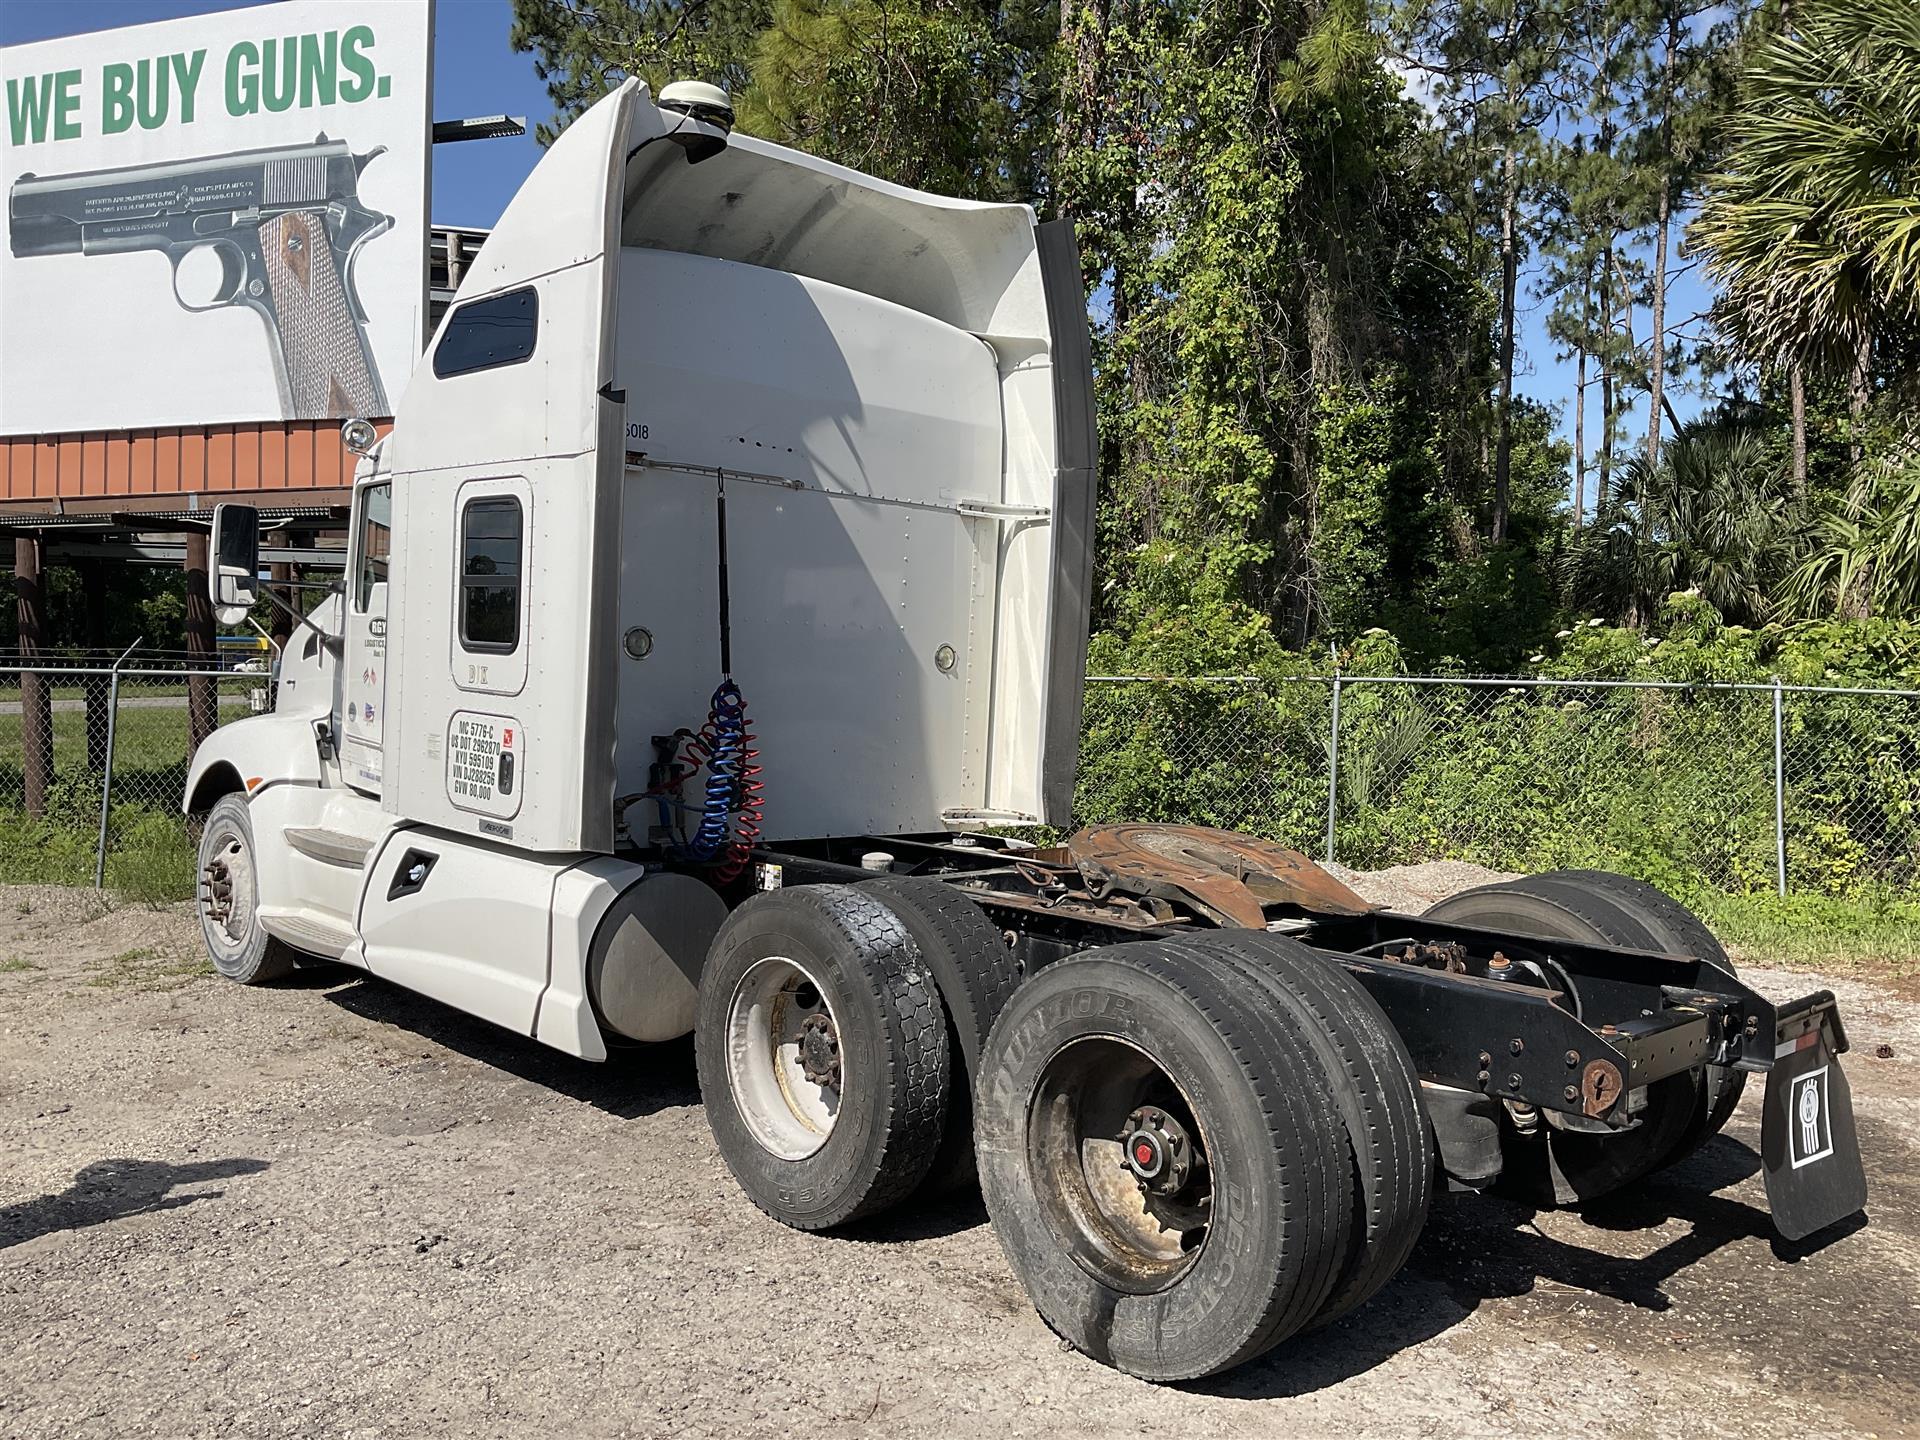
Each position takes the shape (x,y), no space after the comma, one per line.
(1515,1046)
(1573,1058)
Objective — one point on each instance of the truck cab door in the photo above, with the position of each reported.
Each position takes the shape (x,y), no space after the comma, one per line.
(364,666)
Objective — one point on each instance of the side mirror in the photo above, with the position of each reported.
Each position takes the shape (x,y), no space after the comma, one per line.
(235,548)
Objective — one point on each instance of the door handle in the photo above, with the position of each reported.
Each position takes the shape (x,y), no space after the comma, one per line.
(411,874)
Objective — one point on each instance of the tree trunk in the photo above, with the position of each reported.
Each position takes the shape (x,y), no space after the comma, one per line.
(1605,487)
(1628,348)
(1509,283)
(1080,88)
(1656,378)
(1797,394)
(1860,396)
(1580,398)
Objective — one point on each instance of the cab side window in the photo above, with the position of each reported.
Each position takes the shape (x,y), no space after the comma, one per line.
(490,534)
(376,547)
(484,334)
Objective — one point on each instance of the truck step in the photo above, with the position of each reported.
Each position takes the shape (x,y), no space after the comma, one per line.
(334,847)
(312,931)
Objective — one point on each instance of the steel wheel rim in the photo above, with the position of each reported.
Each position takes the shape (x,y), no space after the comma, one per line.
(781,1035)
(1122,1233)
(226,890)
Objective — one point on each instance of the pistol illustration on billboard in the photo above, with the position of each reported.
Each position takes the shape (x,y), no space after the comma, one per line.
(285,224)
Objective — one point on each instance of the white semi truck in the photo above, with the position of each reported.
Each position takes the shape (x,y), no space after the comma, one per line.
(714,427)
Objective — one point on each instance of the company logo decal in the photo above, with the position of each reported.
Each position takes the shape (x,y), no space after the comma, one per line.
(1810,1133)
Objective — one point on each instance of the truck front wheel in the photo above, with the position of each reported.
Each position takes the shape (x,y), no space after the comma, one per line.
(821,1043)
(228,898)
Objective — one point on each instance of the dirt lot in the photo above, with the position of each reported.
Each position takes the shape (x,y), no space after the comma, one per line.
(332,1209)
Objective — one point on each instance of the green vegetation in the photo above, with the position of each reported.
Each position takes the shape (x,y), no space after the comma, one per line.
(14,965)
(1675,786)
(1875,935)
(150,852)
(1311,232)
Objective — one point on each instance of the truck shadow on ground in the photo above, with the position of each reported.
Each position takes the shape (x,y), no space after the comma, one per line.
(634,1081)
(1483,1247)
(1475,1247)
(114,1189)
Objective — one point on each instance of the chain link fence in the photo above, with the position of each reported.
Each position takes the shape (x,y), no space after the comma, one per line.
(1740,787)
(93,761)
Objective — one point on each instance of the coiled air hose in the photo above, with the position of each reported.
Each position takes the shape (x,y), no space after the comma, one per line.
(730,814)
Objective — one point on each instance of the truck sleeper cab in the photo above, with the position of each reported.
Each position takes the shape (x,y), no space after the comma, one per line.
(724,576)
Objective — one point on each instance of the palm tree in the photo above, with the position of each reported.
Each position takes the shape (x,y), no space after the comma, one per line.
(1813,233)
(1719,514)
(1812,229)
(1866,558)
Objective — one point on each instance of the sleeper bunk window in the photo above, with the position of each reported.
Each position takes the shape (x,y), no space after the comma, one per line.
(485,334)
(490,533)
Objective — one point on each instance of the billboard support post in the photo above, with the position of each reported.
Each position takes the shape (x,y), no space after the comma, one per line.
(36,701)
(93,688)
(203,696)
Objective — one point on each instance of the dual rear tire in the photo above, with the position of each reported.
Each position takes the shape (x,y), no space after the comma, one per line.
(1683,1111)
(1191,1149)
(836,1033)
(1194,1150)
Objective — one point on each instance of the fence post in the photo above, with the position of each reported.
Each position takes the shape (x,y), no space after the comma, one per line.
(1779,793)
(1333,765)
(106,770)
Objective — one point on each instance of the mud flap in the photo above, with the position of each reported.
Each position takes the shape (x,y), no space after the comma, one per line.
(1808,1147)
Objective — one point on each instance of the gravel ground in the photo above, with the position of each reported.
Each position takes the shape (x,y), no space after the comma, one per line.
(329,1208)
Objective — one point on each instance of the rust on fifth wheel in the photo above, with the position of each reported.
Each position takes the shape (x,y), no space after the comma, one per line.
(1227,876)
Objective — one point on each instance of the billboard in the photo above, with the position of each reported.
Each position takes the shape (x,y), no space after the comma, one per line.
(215,219)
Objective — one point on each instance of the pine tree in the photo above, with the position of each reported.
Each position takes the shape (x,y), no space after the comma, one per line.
(1495,68)
(584,48)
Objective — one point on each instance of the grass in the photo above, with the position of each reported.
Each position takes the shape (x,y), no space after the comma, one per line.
(147,738)
(146,968)
(149,850)
(14,965)
(1875,936)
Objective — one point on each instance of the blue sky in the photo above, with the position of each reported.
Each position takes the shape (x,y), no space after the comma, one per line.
(476,73)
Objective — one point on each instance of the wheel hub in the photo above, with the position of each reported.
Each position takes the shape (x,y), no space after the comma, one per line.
(1156,1148)
(819,1050)
(216,890)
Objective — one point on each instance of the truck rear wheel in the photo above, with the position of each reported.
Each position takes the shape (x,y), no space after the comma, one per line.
(821,1045)
(1572,1167)
(1680,932)
(227,897)
(1375,1089)
(977,974)
(1164,1166)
